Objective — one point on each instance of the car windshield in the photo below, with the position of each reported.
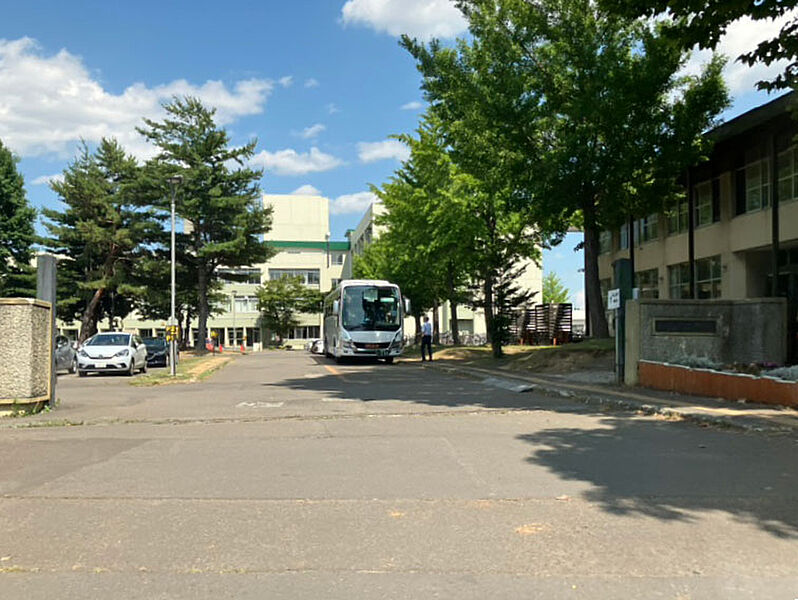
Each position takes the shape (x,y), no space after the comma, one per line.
(110,339)
(155,343)
(370,308)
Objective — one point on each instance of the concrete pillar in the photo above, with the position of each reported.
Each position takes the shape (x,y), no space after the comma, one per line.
(45,290)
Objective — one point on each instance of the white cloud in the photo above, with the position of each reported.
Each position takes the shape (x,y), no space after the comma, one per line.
(312,83)
(373,151)
(312,131)
(46,179)
(332,108)
(306,190)
(286,81)
(423,19)
(48,103)
(352,203)
(290,162)
(743,36)
(412,105)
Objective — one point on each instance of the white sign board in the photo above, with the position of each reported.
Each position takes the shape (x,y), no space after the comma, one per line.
(614,299)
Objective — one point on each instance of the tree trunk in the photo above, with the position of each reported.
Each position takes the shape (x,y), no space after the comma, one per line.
(453,310)
(436,334)
(186,331)
(597,316)
(88,324)
(488,306)
(417,319)
(202,316)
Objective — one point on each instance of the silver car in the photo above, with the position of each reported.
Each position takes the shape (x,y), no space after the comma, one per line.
(114,352)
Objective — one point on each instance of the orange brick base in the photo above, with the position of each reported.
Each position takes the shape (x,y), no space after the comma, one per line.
(703,382)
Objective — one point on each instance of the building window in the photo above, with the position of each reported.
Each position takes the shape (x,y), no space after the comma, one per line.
(309,277)
(624,237)
(304,333)
(605,242)
(703,204)
(708,277)
(338,258)
(787,164)
(251,276)
(756,185)
(244,304)
(335,282)
(677,218)
(648,283)
(679,281)
(647,228)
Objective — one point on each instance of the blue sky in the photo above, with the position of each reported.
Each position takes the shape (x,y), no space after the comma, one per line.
(322,84)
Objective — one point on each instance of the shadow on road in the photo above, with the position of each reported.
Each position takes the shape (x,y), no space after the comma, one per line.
(637,466)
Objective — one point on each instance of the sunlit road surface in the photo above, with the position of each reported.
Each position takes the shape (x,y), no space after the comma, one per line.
(288,476)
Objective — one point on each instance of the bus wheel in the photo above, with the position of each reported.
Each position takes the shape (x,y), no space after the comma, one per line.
(339,359)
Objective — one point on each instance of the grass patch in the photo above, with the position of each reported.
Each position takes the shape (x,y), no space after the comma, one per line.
(590,354)
(189,370)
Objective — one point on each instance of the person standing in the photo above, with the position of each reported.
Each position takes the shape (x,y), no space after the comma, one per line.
(426,338)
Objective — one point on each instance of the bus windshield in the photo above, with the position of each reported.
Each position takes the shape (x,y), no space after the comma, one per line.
(371,307)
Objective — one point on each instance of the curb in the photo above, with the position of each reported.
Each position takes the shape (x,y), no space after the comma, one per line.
(606,399)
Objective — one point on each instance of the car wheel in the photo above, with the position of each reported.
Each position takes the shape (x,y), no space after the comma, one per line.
(389,360)
(132,368)
(144,367)
(73,367)
(81,373)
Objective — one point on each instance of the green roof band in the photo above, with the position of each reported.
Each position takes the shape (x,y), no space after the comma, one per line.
(313,245)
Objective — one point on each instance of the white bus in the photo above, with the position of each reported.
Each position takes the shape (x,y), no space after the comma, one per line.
(364,317)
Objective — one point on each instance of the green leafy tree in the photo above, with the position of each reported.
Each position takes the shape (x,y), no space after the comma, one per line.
(554,291)
(220,204)
(282,300)
(703,22)
(17,235)
(442,235)
(580,113)
(101,234)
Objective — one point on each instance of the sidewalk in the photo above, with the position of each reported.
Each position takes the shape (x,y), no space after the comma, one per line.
(592,388)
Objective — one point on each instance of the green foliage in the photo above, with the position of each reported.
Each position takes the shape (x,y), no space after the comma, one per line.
(554,291)
(280,301)
(101,234)
(702,23)
(220,205)
(562,112)
(17,235)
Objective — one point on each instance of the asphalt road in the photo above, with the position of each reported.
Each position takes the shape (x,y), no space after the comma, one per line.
(287,476)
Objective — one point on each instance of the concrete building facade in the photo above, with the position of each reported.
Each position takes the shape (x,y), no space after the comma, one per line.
(729,250)
(300,234)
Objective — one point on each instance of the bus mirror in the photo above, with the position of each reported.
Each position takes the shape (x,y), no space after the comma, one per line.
(407,306)
(335,307)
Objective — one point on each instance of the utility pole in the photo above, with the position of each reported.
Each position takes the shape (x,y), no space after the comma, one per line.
(174,181)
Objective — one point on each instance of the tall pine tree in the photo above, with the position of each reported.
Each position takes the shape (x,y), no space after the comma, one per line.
(221,206)
(101,233)
(17,234)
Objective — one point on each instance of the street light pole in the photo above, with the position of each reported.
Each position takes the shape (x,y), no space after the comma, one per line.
(174,181)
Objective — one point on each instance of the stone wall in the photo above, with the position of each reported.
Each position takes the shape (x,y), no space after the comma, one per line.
(715,332)
(25,350)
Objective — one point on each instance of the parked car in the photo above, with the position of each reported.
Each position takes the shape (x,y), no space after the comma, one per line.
(317,347)
(157,351)
(112,352)
(313,345)
(65,355)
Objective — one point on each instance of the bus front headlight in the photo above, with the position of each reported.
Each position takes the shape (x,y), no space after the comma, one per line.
(346,341)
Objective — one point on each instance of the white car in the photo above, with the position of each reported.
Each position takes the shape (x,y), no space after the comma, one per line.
(114,351)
